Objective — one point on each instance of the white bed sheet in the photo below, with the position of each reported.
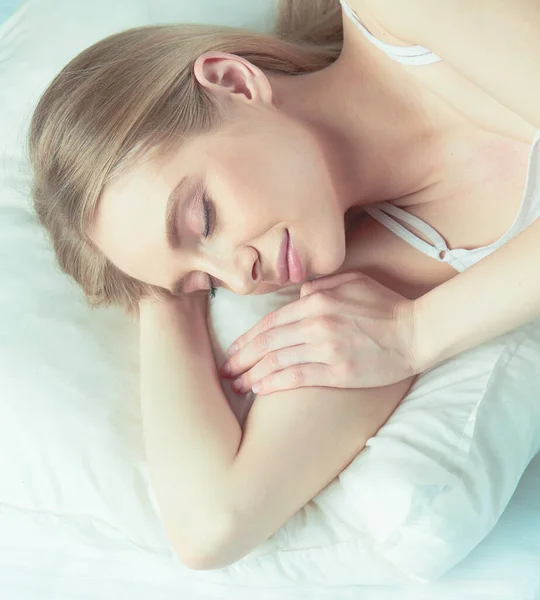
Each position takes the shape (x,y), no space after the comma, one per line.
(505,566)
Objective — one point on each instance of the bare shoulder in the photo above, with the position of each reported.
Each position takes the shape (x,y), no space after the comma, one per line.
(412,20)
(398,17)
(372,15)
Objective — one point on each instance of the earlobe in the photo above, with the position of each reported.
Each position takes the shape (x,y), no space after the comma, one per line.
(232,75)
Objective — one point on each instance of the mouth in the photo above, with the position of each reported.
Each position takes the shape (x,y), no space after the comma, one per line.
(289,263)
(282,262)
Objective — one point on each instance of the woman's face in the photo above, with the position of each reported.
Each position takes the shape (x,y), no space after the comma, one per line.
(241,189)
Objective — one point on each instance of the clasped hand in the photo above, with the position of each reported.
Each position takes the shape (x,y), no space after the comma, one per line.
(345,331)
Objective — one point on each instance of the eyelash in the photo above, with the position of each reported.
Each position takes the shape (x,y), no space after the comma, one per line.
(208,223)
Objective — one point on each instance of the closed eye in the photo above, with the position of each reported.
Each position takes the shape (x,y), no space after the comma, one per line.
(209,226)
(209,216)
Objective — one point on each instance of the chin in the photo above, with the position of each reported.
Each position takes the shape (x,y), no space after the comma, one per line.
(334,259)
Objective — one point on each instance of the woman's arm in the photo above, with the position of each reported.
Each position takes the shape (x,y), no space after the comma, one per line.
(496,45)
(496,295)
(222,492)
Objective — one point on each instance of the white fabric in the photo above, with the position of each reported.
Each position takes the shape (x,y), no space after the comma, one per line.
(412,56)
(77,513)
(387,214)
(461,258)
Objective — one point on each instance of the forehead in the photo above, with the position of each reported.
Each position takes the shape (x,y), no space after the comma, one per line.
(129,226)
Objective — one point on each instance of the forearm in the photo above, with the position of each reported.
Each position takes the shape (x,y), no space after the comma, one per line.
(191,435)
(498,294)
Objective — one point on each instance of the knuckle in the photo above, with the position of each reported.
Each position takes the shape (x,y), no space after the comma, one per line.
(333,349)
(271,361)
(263,341)
(269,321)
(297,377)
(321,300)
(325,325)
(347,367)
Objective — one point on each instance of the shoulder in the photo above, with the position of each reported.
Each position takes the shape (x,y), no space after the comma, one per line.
(419,21)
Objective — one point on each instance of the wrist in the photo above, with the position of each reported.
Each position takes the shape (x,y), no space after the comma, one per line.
(420,354)
(405,319)
(426,340)
(414,348)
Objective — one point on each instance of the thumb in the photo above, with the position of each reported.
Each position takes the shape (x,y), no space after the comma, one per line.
(328,282)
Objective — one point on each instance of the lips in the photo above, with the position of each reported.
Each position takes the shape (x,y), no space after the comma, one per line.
(289,264)
(296,269)
(282,263)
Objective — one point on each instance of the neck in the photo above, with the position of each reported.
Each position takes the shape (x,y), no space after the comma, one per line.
(381,133)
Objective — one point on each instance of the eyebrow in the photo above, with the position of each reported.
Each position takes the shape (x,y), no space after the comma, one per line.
(171,214)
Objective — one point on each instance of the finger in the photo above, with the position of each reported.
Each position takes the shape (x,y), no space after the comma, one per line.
(288,314)
(307,375)
(277,361)
(331,281)
(266,342)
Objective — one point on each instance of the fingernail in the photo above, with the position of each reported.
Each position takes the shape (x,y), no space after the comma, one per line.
(256,388)
(232,350)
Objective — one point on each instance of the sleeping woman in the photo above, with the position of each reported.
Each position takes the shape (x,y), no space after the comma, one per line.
(383,154)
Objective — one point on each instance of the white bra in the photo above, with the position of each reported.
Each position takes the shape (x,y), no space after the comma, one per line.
(460,259)
(388,214)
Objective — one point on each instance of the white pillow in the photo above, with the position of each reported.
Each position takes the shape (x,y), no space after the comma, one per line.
(74,483)
(434,480)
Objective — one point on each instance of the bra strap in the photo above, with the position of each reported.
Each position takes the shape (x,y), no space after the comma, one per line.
(386,213)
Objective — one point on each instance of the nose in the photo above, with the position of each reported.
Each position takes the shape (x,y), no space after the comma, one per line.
(242,274)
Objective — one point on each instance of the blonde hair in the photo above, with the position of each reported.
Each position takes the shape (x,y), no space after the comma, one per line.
(132,95)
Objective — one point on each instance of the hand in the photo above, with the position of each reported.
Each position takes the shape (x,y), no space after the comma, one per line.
(345,331)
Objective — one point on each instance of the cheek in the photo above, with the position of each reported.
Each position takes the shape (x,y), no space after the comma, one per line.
(289,182)
(272,172)
(247,197)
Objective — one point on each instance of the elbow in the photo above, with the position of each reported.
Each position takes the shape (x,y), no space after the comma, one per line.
(204,559)
(211,547)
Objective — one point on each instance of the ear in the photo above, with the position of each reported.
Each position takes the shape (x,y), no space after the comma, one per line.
(232,75)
